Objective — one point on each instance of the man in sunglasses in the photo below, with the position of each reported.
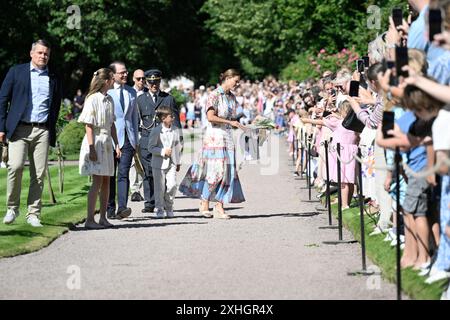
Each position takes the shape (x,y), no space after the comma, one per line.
(139,82)
(147,104)
(140,87)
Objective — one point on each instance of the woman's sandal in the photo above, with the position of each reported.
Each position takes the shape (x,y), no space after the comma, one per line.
(220,215)
(106,224)
(204,213)
(93,226)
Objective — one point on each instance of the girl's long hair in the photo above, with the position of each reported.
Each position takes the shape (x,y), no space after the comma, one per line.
(98,80)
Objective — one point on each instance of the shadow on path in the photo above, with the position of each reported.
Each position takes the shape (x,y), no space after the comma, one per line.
(136,226)
(288,215)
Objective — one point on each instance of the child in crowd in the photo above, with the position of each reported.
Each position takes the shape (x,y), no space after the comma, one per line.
(96,154)
(165,146)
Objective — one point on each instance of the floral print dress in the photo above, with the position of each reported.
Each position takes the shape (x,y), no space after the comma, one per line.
(213,176)
(98,111)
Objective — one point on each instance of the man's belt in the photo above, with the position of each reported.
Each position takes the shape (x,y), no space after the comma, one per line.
(34,124)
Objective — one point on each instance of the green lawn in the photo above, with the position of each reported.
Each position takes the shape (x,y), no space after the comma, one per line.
(19,237)
(67,157)
(384,256)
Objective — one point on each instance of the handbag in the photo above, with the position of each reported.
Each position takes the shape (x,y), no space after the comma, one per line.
(351,122)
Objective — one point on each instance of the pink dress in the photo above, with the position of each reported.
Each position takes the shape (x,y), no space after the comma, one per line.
(349,146)
(292,123)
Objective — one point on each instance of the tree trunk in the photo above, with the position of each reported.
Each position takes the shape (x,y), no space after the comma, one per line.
(50,188)
(60,168)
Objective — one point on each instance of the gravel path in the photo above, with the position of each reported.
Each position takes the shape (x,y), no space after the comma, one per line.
(271,249)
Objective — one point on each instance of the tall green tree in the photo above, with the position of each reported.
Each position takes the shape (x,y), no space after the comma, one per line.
(268,34)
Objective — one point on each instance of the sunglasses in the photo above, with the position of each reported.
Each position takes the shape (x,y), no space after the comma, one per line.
(154,81)
(140,79)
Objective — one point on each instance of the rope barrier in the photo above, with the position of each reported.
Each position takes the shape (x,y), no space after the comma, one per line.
(434,170)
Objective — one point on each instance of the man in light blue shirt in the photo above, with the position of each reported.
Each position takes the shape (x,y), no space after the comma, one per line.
(30,99)
(40,96)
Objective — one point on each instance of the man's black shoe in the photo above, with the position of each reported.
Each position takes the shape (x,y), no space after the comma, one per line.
(136,197)
(111,213)
(148,210)
(123,213)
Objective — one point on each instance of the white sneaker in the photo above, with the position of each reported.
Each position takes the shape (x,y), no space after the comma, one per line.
(390,236)
(34,221)
(425,268)
(394,241)
(437,276)
(10,216)
(377,231)
(169,214)
(159,213)
(424,272)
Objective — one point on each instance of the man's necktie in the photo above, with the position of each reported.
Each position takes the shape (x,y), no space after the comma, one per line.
(154,97)
(122,99)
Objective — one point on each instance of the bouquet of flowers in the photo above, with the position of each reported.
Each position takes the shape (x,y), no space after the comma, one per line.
(263,123)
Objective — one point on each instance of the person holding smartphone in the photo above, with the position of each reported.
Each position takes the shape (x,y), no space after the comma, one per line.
(438,57)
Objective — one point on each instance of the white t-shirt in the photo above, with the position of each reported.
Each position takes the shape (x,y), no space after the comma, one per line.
(441,135)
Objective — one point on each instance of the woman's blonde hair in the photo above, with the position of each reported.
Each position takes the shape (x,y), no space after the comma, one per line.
(344,108)
(98,80)
(417,60)
(377,48)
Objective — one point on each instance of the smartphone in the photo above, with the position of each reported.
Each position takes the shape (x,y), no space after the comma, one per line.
(326,114)
(388,123)
(390,65)
(360,65)
(354,88)
(435,23)
(401,60)
(366,61)
(397,16)
(393,80)
(387,64)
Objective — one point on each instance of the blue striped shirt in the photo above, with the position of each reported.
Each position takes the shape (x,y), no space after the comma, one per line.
(40,96)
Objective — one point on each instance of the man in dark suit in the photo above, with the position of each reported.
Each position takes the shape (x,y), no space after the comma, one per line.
(30,99)
(147,104)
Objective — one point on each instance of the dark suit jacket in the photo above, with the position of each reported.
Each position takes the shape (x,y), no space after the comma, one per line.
(165,99)
(147,111)
(15,98)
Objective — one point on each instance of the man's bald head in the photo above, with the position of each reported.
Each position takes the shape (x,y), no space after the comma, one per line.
(139,79)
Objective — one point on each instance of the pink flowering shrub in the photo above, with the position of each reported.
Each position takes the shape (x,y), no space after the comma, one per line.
(312,65)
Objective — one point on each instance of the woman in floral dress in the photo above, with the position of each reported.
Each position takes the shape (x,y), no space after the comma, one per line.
(214,176)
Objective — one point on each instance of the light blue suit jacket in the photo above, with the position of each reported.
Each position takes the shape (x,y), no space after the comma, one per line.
(127,119)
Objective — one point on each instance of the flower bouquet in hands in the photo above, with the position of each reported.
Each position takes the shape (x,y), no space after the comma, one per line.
(263,123)
(259,128)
